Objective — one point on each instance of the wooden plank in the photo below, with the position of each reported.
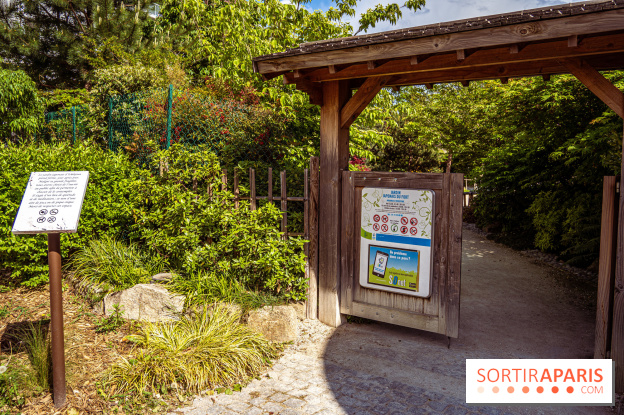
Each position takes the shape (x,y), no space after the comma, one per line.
(444,252)
(431,305)
(606,268)
(426,180)
(557,49)
(617,344)
(453,284)
(312,300)
(236,190)
(349,235)
(361,99)
(334,157)
(598,84)
(284,204)
(398,317)
(270,185)
(252,188)
(512,34)
(539,68)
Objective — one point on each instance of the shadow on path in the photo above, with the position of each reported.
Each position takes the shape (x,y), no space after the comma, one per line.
(511,307)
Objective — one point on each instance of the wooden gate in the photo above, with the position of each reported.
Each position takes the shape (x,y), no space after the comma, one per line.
(440,312)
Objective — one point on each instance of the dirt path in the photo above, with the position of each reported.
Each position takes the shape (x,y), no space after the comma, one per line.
(511,307)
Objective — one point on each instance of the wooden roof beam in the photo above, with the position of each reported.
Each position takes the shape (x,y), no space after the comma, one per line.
(538,68)
(603,44)
(358,102)
(598,84)
(535,31)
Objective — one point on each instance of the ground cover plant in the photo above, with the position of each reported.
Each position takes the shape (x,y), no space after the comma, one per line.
(200,351)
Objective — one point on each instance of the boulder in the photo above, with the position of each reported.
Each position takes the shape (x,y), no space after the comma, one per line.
(277,324)
(163,277)
(300,309)
(149,302)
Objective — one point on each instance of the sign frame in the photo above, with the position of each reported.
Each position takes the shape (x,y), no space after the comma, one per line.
(406,210)
(440,312)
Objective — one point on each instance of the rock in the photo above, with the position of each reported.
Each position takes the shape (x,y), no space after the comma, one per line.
(300,309)
(277,324)
(162,277)
(147,302)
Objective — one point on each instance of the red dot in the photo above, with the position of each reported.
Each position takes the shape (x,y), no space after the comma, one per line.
(555,389)
(540,389)
(570,389)
(510,389)
(525,389)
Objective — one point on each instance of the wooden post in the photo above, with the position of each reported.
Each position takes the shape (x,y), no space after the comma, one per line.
(236,190)
(617,345)
(606,274)
(312,302)
(224,181)
(56,319)
(284,204)
(334,157)
(270,194)
(252,189)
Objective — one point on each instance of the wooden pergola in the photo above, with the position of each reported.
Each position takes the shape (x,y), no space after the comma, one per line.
(578,38)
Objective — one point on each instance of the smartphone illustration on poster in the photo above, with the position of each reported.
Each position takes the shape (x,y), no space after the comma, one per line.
(380,264)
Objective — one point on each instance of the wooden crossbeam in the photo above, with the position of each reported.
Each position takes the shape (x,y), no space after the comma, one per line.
(558,49)
(598,84)
(361,99)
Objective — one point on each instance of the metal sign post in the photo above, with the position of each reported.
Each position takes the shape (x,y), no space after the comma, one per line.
(51,204)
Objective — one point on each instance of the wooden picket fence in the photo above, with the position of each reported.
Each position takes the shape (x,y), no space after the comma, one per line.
(310,202)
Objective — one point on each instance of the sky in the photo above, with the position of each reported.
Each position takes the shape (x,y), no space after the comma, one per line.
(437,11)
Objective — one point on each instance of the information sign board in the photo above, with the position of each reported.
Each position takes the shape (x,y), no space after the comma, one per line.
(395,241)
(51,203)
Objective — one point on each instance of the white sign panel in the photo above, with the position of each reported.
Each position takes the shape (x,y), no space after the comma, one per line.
(52,202)
(395,241)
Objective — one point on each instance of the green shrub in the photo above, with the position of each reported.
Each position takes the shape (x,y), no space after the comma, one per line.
(21,110)
(124,79)
(105,210)
(197,352)
(203,287)
(114,265)
(185,217)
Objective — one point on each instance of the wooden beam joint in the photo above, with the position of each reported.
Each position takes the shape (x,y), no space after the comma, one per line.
(358,102)
(597,83)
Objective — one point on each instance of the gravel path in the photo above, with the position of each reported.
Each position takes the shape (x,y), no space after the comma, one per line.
(513,306)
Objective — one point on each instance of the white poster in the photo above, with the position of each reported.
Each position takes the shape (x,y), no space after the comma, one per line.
(395,241)
(51,203)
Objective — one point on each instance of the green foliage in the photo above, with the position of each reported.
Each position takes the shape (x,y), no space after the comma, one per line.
(36,341)
(204,287)
(542,183)
(11,398)
(185,217)
(110,323)
(20,106)
(114,265)
(105,210)
(124,79)
(57,42)
(197,352)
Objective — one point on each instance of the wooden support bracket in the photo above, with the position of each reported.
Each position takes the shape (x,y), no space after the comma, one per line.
(573,41)
(332,69)
(361,99)
(598,84)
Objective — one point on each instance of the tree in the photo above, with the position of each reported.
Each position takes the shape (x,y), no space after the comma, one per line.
(58,41)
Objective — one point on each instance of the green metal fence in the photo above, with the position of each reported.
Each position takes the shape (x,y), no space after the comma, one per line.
(158,118)
(63,125)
